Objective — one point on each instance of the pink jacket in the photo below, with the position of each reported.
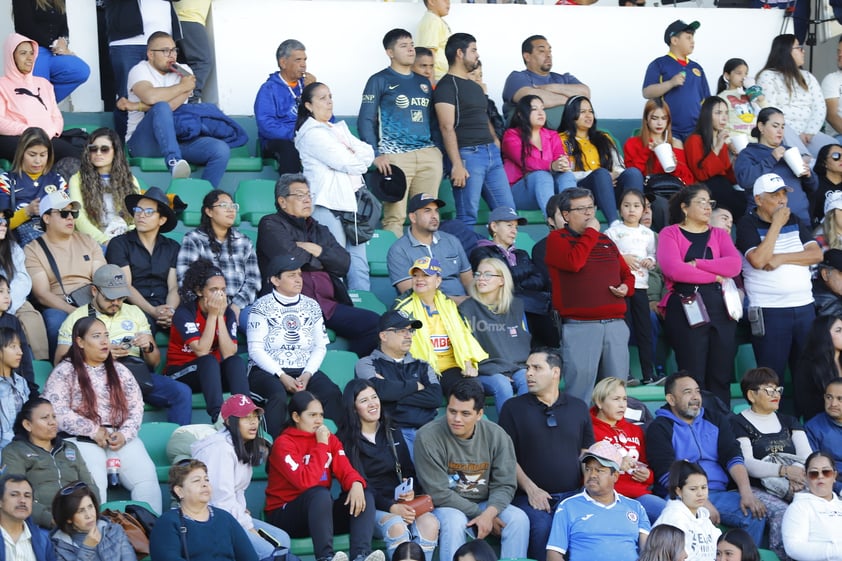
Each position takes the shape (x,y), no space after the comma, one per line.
(37,108)
(673,246)
(536,160)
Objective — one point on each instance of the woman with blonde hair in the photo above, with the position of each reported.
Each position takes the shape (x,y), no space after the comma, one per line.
(829,233)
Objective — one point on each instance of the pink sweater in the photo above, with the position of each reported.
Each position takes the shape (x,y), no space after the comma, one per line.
(19,111)
(536,160)
(673,246)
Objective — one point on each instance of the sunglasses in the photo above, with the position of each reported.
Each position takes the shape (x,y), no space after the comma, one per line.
(824,472)
(835,156)
(70,489)
(103,149)
(67,213)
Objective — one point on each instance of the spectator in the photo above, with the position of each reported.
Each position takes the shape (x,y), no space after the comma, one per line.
(148,258)
(202,351)
(590,282)
(42,456)
(537,79)
(831,91)
(477,550)
(305,458)
(796,93)
(101,186)
(744,103)
(665,542)
(677,80)
(467,465)
(334,161)
(293,231)
(15,389)
(433,33)
(400,132)
(819,364)
(594,157)
(708,155)
(156,91)
(656,129)
(696,259)
(779,251)
(598,522)
(738,545)
(220,242)
(131,343)
(424,239)
(409,551)
(99,405)
(9,321)
(34,157)
(828,169)
(80,532)
(683,429)
(15,519)
(766,156)
(546,474)
(61,263)
(379,452)
(610,425)
(829,232)
(469,143)
(208,534)
(445,339)
(407,387)
(809,525)
(28,101)
(195,43)
(230,455)
(824,430)
(285,356)
(827,286)
(276,106)
(424,65)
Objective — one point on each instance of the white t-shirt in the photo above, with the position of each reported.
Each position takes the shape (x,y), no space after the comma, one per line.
(156,17)
(145,72)
(832,89)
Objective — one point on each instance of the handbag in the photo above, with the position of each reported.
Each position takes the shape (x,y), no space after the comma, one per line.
(359,226)
(662,185)
(82,296)
(733,301)
(421,504)
(133,529)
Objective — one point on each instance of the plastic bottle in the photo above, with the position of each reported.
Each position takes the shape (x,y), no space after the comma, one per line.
(112,467)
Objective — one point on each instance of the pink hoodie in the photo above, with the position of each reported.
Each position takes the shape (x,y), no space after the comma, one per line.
(37,108)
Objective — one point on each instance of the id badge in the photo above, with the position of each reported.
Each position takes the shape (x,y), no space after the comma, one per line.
(695,310)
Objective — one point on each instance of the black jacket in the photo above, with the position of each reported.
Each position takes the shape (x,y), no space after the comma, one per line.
(123,20)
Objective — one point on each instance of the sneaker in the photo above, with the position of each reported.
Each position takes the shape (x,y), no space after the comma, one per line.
(181,170)
(339,556)
(375,555)
(633,382)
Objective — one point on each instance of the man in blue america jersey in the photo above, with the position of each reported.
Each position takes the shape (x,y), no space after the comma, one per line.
(394,117)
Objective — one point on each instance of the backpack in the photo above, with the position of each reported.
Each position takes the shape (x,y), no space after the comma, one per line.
(133,529)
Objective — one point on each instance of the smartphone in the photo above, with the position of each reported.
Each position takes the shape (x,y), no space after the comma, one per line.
(403,488)
(268,537)
(471,532)
(126,342)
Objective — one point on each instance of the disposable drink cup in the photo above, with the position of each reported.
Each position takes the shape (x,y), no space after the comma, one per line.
(666,157)
(793,159)
(739,141)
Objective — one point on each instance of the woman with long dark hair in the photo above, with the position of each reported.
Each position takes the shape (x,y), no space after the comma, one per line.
(819,365)
(101,186)
(304,460)
(379,452)
(797,93)
(220,242)
(708,155)
(828,170)
(98,404)
(203,338)
(15,388)
(536,164)
(230,455)
(596,160)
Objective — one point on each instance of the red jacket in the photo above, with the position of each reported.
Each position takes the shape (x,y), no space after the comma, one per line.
(629,438)
(638,156)
(298,462)
(712,165)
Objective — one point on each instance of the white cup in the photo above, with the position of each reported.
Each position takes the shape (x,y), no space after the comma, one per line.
(793,159)
(666,156)
(738,141)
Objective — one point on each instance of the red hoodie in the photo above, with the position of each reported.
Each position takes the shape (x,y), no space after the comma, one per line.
(298,463)
(21,110)
(629,438)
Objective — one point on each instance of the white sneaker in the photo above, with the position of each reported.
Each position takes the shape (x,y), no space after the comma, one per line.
(375,555)
(180,170)
(340,556)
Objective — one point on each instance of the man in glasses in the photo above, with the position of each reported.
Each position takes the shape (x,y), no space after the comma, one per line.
(62,263)
(157,87)
(23,538)
(132,343)
(547,473)
(590,281)
(467,465)
(407,386)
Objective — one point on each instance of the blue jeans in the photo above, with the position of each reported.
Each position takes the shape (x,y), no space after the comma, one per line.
(409,437)
(384,521)
(453,524)
(65,72)
(500,386)
(175,397)
(540,523)
(786,335)
(263,548)
(728,505)
(358,273)
(155,137)
(123,58)
(53,318)
(535,188)
(486,178)
(602,186)
(653,504)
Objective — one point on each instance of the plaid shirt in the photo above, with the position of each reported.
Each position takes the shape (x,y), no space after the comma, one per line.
(237,260)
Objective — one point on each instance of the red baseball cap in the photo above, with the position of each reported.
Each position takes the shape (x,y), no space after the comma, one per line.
(239,405)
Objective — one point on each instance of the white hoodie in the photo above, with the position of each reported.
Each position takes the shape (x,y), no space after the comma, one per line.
(700,534)
(812,528)
(229,477)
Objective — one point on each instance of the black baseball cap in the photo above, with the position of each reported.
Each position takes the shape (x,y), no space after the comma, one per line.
(398,319)
(421,200)
(677,27)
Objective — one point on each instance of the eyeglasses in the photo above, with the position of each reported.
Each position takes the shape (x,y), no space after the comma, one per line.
(798,48)
(704,204)
(70,489)
(835,156)
(66,213)
(552,422)
(584,209)
(227,206)
(144,211)
(3,222)
(166,52)
(404,331)
(102,149)
(824,472)
(300,196)
(485,275)
(771,392)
